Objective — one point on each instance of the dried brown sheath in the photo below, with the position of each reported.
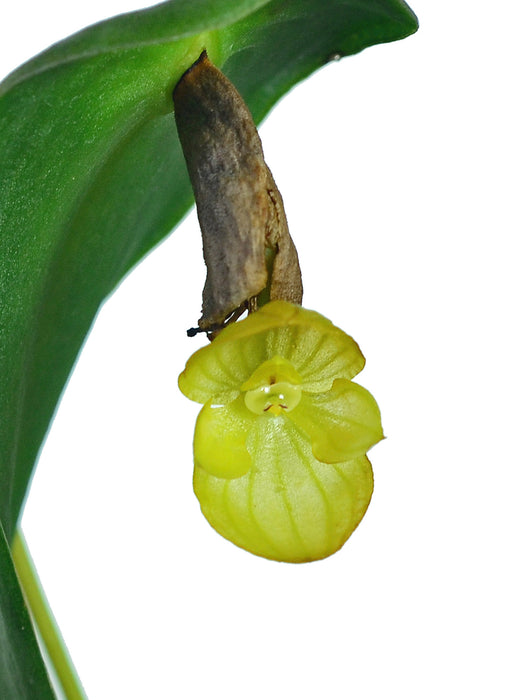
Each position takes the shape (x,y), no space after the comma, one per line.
(241,214)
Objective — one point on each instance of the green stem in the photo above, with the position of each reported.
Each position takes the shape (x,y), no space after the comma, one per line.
(44,620)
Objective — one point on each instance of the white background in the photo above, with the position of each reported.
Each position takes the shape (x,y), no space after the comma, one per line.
(402,174)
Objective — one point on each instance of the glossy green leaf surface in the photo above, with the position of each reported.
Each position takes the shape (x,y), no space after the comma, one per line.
(92,175)
(22,674)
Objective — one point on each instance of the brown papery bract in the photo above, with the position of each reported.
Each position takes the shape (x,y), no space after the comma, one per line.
(248,250)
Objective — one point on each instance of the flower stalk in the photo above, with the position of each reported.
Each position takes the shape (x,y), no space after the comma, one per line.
(54,647)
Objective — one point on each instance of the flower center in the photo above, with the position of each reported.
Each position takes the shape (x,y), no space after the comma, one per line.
(274,387)
(273,398)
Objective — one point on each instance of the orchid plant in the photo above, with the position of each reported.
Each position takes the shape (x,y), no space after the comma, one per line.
(93,177)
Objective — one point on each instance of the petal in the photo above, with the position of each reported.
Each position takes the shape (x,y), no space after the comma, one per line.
(342,423)
(319,351)
(217,371)
(219,444)
(289,506)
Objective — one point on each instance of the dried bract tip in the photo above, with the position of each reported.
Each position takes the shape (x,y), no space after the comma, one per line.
(247,246)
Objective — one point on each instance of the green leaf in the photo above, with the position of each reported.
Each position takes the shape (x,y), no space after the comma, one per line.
(22,673)
(92,175)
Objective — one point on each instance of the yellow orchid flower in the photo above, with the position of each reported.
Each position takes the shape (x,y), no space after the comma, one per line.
(280,443)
